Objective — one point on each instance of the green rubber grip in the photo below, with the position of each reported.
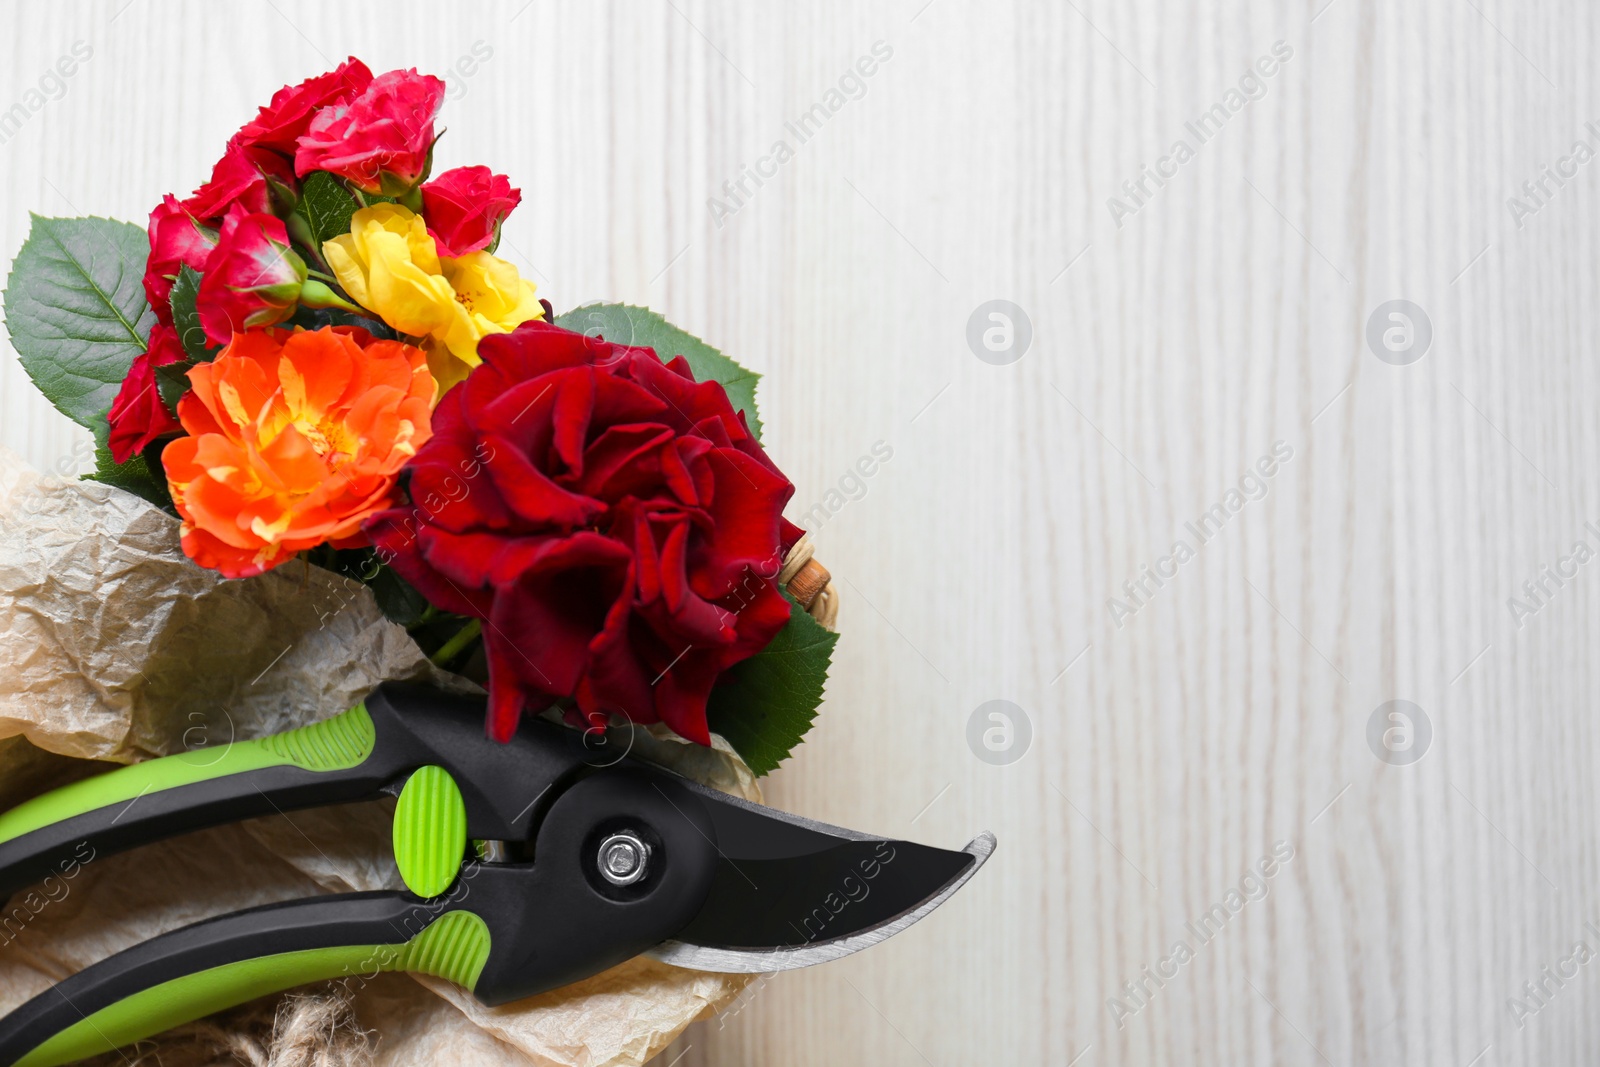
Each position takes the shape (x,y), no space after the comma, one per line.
(454,947)
(338,743)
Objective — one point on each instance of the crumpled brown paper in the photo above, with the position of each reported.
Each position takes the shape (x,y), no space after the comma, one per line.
(114,646)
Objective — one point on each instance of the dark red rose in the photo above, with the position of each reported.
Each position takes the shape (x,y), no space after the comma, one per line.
(281,123)
(612,520)
(252,278)
(465,207)
(380,141)
(177,239)
(243,176)
(137,415)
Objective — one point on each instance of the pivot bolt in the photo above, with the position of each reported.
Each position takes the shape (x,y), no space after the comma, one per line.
(624,858)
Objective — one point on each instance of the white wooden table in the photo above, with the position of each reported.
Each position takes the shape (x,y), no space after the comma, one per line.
(1177,337)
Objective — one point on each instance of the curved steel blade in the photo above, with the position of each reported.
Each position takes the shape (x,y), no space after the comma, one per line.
(791,892)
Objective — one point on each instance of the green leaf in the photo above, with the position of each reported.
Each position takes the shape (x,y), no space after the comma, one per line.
(326,206)
(134,476)
(172,381)
(317,318)
(628,325)
(76,311)
(186,319)
(397,598)
(765,704)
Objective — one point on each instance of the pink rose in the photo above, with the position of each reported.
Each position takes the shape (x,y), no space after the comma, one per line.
(177,240)
(243,176)
(465,207)
(252,278)
(281,123)
(379,142)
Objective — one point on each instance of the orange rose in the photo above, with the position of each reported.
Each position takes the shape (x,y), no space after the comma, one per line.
(294,438)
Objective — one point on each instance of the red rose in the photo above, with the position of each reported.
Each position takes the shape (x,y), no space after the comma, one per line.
(137,415)
(281,123)
(386,132)
(252,278)
(612,520)
(465,207)
(243,176)
(177,239)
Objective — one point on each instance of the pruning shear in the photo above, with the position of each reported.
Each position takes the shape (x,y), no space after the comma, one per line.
(527,866)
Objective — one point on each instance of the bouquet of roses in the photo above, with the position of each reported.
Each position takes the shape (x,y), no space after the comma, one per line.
(318,356)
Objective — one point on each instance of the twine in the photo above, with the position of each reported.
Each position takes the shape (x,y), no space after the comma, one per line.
(809,582)
(316,1029)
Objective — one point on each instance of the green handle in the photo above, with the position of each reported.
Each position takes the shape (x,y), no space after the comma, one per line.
(326,763)
(339,743)
(367,751)
(130,996)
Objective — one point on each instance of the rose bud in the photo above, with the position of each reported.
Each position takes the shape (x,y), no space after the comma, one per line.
(177,240)
(281,123)
(380,142)
(252,278)
(465,207)
(137,415)
(258,180)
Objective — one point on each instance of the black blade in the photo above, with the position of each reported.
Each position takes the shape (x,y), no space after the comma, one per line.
(790,892)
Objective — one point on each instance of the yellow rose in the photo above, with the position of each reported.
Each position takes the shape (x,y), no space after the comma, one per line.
(490,297)
(389,265)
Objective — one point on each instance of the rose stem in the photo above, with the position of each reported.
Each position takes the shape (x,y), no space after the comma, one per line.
(453,647)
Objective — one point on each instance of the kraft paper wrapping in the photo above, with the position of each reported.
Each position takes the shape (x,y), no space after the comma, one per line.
(115,647)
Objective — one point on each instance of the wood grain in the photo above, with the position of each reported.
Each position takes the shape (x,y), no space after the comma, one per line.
(1169,354)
